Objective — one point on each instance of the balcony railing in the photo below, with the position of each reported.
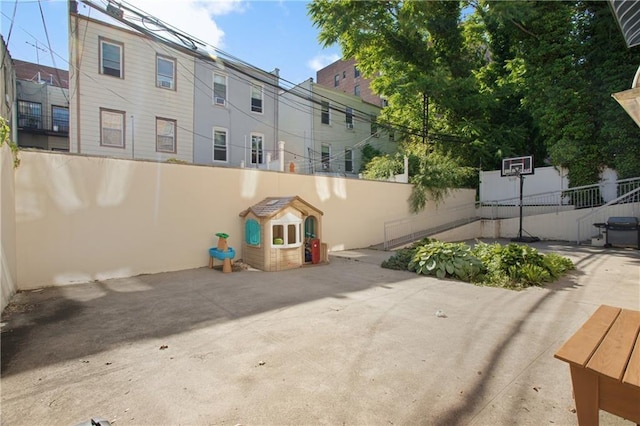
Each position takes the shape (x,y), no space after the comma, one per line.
(40,123)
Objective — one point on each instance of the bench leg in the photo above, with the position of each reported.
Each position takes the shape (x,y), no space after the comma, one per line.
(585,390)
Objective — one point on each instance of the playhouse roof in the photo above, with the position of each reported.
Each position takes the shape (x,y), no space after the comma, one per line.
(272,205)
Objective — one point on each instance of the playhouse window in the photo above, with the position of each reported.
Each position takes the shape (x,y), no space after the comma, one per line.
(286,233)
(252,232)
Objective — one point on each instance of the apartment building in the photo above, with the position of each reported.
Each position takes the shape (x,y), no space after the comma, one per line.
(343,75)
(325,130)
(42,97)
(131,95)
(140,96)
(235,115)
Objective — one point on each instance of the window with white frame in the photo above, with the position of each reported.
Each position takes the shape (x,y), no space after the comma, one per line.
(336,80)
(257,148)
(165,135)
(325,116)
(219,89)
(220,144)
(257,96)
(112,127)
(111,58)
(326,157)
(356,72)
(286,232)
(165,72)
(348,160)
(356,90)
(349,117)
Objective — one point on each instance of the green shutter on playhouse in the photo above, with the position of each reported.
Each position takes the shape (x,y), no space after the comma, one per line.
(252,232)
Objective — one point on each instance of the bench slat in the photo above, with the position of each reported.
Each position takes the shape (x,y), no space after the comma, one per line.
(581,346)
(632,376)
(612,356)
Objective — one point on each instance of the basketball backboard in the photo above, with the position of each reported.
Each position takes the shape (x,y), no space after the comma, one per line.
(517,166)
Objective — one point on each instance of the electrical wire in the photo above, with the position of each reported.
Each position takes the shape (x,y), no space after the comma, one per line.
(53,59)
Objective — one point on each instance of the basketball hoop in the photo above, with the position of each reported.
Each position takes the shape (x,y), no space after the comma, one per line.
(515,169)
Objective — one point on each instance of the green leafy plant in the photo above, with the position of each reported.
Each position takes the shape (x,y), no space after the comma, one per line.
(4,138)
(512,266)
(446,260)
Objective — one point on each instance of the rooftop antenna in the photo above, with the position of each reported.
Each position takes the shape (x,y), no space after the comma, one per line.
(37,48)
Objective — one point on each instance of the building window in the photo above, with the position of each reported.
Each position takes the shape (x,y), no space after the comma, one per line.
(29,115)
(336,80)
(286,232)
(374,126)
(220,145)
(344,74)
(349,117)
(112,128)
(348,160)
(385,102)
(256,98)
(219,89)
(326,157)
(252,232)
(60,119)
(165,135)
(356,90)
(111,58)
(356,72)
(257,148)
(165,72)
(325,113)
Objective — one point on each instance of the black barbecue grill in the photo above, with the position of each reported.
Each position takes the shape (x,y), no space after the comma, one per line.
(623,231)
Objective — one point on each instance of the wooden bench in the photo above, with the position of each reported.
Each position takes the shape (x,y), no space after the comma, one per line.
(604,358)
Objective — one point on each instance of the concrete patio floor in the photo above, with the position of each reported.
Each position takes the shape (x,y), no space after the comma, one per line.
(344,343)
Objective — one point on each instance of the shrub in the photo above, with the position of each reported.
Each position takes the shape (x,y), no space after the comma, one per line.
(446,259)
(512,266)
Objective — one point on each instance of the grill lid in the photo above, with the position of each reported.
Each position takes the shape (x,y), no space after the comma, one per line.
(622,220)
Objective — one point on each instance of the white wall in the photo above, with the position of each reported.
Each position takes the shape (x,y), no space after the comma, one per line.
(8,267)
(84,218)
(493,187)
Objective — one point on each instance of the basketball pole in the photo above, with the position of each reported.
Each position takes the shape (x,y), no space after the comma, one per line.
(521,202)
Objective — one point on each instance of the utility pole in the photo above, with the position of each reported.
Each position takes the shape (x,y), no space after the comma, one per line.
(425,117)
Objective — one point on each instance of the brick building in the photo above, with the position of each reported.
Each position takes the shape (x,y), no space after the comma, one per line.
(344,75)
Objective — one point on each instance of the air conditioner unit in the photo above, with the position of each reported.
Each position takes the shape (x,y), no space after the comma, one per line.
(165,84)
(349,125)
(220,101)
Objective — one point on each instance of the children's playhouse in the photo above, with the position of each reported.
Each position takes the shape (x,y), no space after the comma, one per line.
(282,233)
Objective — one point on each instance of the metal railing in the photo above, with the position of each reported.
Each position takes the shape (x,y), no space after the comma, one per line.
(400,232)
(404,231)
(42,123)
(579,197)
(625,205)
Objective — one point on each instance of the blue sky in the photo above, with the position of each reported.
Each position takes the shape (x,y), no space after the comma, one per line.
(267,34)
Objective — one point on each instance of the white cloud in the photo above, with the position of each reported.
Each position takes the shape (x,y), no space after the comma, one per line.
(193,17)
(322,60)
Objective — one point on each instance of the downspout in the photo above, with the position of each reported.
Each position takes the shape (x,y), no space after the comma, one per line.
(276,115)
(73,10)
